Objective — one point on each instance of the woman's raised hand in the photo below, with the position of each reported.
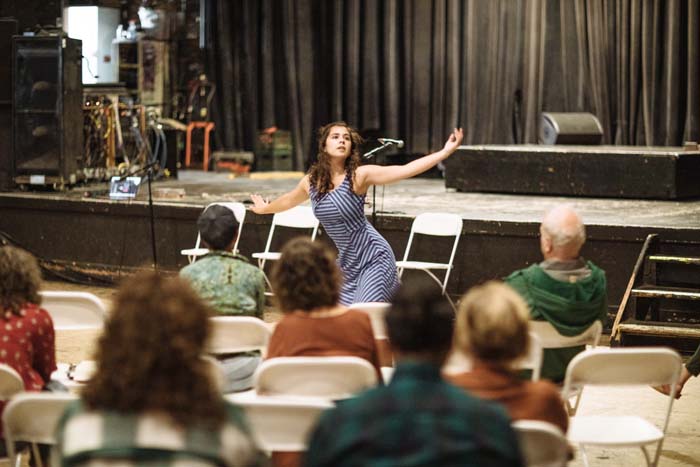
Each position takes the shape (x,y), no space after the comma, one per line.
(259,204)
(454,140)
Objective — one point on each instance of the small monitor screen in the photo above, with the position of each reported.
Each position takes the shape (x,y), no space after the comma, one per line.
(124,188)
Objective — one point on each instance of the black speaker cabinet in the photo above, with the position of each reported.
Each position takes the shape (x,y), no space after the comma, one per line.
(570,128)
(47,110)
(8,28)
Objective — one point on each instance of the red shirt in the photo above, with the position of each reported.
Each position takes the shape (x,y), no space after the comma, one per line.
(27,344)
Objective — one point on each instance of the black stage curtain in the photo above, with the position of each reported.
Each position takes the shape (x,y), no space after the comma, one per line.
(414,69)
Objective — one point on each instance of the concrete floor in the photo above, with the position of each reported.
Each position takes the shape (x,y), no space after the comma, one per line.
(681,447)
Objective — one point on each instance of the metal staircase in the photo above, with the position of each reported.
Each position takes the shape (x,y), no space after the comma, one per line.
(661,305)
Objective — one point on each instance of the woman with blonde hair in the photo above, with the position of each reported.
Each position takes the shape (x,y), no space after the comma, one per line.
(492,329)
(153,398)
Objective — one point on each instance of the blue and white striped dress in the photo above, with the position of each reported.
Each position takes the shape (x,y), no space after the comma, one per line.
(364,256)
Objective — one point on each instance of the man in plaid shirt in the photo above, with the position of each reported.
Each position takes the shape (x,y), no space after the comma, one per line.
(418,419)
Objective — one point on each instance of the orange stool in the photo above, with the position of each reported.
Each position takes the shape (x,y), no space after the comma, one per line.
(208,127)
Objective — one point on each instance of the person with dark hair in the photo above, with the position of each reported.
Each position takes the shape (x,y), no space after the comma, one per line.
(306,281)
(231,285)
(493,331)
(418,419)
(337,185)
(224,278)
(27,341)
(153,399)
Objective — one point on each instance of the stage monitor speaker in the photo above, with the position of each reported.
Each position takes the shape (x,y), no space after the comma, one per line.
(47,109)
(570,128)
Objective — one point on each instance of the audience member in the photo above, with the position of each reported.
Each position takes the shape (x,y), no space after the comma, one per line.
(231,285)
(492,329)
(153,399)
(564,289)
(306,281)
(224,278)
(691,368)
(27,341)
(418,419)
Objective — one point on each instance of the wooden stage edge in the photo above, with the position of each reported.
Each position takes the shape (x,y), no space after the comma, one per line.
(83,229)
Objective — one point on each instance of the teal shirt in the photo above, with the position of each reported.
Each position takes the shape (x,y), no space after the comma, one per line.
(229,283)
(571,307)
(417,420)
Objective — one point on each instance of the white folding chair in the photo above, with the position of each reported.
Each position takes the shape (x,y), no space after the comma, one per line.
(74,310)
(234,334)
(238,211)
(542,444)
(32,417)
(330,378)
(459,362)
(551,339)
(10,382)
(436,224)
(376,312)
(622,367)
(281,424)
(299,217)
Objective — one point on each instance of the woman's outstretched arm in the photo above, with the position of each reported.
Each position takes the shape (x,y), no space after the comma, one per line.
(287,201)
(383,175)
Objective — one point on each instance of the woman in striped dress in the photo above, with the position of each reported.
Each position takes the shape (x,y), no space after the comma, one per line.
(337,185)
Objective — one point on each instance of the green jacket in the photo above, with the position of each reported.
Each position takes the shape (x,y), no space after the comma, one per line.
(570,307)
(229,283)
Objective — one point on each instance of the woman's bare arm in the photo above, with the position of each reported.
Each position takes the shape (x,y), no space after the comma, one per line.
(383,175)
(287,201)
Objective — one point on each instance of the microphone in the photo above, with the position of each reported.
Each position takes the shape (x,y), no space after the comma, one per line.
(397,142)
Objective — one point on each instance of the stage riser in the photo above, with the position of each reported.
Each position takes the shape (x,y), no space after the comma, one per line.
(110,235)
(637,173)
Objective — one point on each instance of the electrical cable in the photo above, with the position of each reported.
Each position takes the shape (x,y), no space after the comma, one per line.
(74,276)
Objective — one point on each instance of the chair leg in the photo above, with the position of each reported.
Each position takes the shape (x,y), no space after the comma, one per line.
(444,292)
(37,455)
(646,456)
(584,456)
(572,409)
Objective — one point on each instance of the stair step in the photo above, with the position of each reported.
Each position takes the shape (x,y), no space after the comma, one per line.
(659,330)
(675,259)
(655,291)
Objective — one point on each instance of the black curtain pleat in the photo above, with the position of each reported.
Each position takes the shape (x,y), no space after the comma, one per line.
(414,69)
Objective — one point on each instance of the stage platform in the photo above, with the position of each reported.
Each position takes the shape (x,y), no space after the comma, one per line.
(83,229)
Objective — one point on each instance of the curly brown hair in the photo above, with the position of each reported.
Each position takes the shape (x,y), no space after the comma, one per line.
(320,172)
(150,355)
(306,277)
(20,279)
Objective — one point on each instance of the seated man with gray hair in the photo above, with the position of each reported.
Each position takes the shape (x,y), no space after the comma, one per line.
(564,289)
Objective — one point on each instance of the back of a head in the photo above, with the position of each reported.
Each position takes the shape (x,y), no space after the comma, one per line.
(20,279)
(306,276)
(217,226)
(492,324)
(149,356)
(565,229)
(420,320)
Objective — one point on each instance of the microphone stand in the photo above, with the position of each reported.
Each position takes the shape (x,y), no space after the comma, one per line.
(369,155)
(148,169)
